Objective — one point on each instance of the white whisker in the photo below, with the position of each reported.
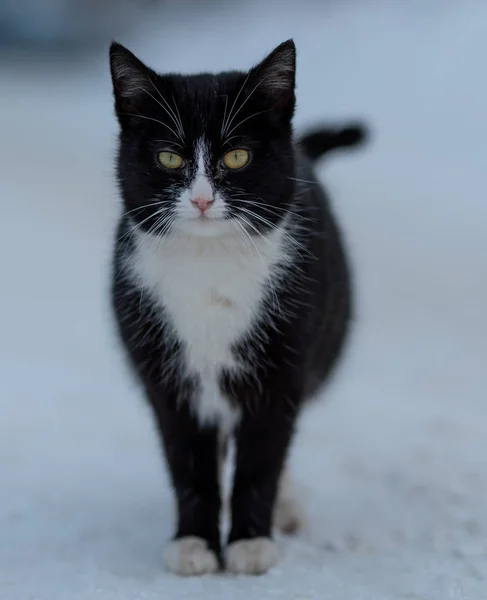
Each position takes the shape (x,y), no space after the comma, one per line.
(163,223)
(163,227)
(303,180)
(168,110)
(224,115)
(178,115)
(171,142)
(242,232)
(271,225)
(235,101)
(246,119)
(271,286)
(151,119)
(241,106)
(227,140)
(153,204)
(273,210)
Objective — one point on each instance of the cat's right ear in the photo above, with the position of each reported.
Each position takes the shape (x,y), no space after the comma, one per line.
(130,77)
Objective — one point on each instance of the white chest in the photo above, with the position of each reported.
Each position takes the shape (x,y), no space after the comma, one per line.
(211,290)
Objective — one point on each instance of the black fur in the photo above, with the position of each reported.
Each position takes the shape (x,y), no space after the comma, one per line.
(292,356)
(322,140)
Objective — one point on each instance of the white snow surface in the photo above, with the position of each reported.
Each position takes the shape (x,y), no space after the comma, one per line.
(392,466)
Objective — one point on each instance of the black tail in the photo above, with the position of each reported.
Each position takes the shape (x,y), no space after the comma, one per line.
(321,141)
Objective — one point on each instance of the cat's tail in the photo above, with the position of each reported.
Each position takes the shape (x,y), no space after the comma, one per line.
(320,141)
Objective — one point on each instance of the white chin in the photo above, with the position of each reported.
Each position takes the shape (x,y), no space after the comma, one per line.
(206,227)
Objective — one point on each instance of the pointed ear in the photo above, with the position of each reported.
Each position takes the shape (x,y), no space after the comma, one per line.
(130,76)
(277,76)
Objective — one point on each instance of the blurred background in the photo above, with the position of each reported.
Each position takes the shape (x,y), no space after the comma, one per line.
(393,466)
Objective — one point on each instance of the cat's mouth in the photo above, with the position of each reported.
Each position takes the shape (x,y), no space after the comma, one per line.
(207,226)
(204,218)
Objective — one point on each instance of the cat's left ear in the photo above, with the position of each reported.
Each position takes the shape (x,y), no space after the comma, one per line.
(275,77)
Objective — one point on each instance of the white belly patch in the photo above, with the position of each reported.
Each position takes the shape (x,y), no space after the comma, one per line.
(211,290)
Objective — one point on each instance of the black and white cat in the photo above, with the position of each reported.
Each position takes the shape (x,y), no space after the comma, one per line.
(230,289)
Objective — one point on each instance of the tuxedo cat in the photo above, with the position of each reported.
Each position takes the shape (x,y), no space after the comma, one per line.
(230,289)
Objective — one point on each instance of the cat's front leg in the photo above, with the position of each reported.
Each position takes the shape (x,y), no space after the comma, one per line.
(192,456)
(262,441)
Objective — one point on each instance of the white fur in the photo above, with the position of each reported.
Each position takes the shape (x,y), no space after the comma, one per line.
(211,289)
(190,556)
(251,557)
(191,220)
(201,185)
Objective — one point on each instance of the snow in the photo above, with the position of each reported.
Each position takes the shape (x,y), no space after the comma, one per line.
(392,466)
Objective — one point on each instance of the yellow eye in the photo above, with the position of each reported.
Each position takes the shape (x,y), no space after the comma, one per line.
(236,159)
(170,160)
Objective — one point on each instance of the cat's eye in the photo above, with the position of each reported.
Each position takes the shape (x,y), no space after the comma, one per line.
(236,159)
(170,160)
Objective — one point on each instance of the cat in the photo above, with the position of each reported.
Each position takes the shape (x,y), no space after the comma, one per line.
(231,289)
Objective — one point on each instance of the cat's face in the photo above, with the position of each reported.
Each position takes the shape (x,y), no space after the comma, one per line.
(205,154)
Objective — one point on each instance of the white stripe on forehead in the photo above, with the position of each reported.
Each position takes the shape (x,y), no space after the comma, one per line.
(201,186)
(202,155)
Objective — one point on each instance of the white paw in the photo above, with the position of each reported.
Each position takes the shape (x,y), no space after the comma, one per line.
(251,557)
(190,556)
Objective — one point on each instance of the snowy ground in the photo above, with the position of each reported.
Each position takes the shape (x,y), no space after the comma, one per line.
(394,466)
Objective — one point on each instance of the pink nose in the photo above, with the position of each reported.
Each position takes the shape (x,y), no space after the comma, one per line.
(202,202)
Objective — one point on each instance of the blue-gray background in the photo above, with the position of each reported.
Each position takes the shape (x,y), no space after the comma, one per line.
(393,467)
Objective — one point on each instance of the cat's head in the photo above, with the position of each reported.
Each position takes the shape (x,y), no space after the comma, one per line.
(206,154)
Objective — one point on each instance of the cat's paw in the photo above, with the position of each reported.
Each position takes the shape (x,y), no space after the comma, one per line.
(251,557)
(190,556)
(289,516)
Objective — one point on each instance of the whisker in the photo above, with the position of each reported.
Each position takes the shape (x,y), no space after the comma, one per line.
(254,228)
(227,141)
(163,220)
(168,110)
(302,180)
(159,214)
(235,101)
(151,119)
(178,134)
(131,230)
(241,106)
(247,118)
(250,237)
(145,206)
(268,223)
(179,115)
(241,230)
(163,226)
(155,214)
(134,226)
(271,285)
(171,142)
(273,209)
(224,115)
